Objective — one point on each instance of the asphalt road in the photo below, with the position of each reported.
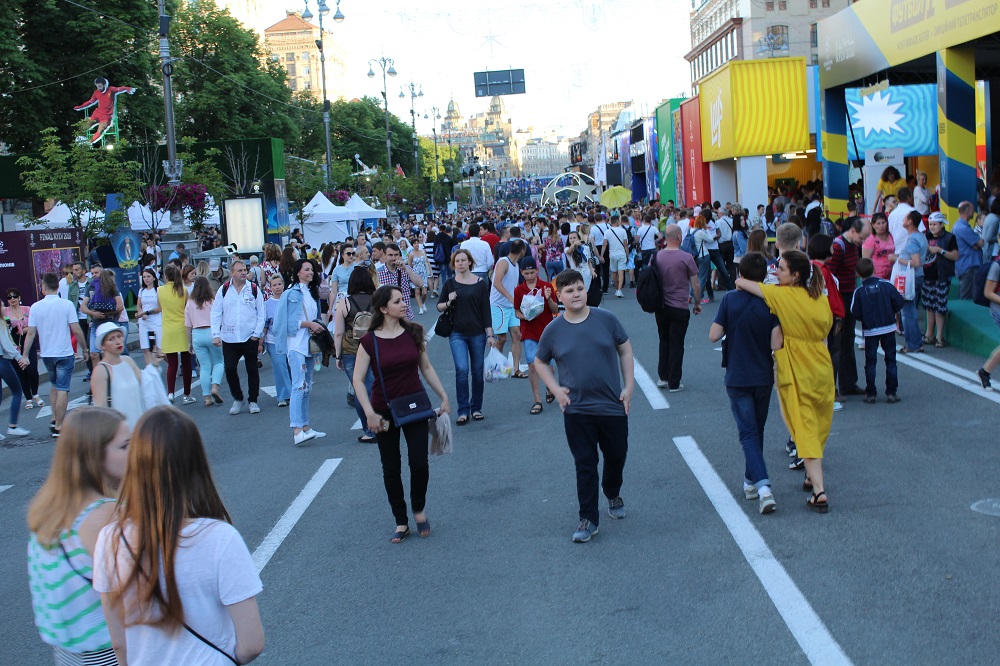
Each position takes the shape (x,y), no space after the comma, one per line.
(901,571)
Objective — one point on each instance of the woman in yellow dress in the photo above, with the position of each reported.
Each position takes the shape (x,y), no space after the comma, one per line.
(805,372)
(173,338)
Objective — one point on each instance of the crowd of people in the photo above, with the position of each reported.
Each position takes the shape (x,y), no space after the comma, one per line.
(795,286)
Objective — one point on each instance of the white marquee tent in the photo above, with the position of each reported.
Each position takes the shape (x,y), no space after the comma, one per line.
(365,212)
(326,222)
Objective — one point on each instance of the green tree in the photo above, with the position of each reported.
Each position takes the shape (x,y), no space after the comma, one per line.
(48,54)
(358,128)
(303,179)
(81,178)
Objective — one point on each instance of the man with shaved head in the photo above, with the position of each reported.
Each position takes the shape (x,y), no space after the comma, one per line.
(679,276)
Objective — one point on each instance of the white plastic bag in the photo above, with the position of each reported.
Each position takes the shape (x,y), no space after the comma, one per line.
(496,366)
(441,435)
(532,304)
(903,280)
(154,392)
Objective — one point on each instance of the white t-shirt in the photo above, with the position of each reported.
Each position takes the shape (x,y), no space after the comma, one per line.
(713,226)
(300,341)
(51,317)
(63,288)
(213,568)
(617,239)
(482,255)
(684,225)
(647,235)
(896,229)
(597,233)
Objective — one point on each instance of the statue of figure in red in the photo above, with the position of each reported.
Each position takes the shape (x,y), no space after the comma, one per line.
(104,99)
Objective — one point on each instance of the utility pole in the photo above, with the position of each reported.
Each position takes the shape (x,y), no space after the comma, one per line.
(171,166)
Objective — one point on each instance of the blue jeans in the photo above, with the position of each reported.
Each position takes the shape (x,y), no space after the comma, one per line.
(552,269)
(445,273)
(705,276)
(282,378)
(911,327)
(210,358)
(466,348)
(888,344)
(301,368)
(749,405)
(348,362)
(9,376)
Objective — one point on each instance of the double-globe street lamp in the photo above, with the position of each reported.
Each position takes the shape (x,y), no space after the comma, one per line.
(387,70)
(413,117)
(435,116)
(338,17)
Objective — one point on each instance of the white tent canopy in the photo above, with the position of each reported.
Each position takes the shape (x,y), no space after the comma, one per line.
(365,212)
(58,218)
(326,222)
(142,219)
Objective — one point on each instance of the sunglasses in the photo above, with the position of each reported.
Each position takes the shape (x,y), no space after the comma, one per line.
(11,297)
(349,254)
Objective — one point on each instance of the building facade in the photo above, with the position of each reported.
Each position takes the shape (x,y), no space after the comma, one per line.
(584,148)
(724,30)
(484,138)
(291,42)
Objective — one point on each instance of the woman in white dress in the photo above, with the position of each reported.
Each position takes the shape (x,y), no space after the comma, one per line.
(149,314)
(116,381)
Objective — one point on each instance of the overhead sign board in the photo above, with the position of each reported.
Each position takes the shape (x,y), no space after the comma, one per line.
(499,82)
(903,117)
(872,35)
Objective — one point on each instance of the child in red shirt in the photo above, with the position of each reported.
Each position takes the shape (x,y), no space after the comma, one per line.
(531,329)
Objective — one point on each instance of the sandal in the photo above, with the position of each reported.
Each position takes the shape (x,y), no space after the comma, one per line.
(928,339)
(38,401)
(424,529)
(536,409)
(939,344)
(209,402)
(816,505)
(549,397)
(520,375)
(477,416)
(29,405)
(807,485)
(462,420)
(399,535)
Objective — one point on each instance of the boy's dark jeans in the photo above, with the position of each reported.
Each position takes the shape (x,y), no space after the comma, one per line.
(888,343)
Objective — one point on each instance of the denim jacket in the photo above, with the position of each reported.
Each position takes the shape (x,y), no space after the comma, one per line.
(288,318)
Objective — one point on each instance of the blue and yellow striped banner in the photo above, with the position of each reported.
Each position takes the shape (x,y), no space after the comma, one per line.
(956,74)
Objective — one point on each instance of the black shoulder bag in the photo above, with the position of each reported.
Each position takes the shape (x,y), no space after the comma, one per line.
(408,408)
(446,321)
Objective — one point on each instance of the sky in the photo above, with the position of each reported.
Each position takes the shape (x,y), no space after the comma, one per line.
(576,54)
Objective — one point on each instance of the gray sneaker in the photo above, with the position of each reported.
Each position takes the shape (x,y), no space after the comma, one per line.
(766,503)
(750,492)
(254,408)
(616,508)
(236,408)
(584,532)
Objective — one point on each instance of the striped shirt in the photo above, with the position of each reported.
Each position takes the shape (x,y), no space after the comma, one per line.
(844,263)
(67,609)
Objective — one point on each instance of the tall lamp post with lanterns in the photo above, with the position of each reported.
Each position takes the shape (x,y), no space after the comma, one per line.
(435,116)
(414,94)
(338,17)
(387,70)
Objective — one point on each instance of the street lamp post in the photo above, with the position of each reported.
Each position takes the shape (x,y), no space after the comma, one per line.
(435,116)
(387,70)
(307,15)
(413,117)
(171,166)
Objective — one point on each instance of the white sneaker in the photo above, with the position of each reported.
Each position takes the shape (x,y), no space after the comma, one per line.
(188,400)
(837,406)
(170,397)
(680,387)
(766,503)
(619,294)
(236,408)
(662,384)
(254,408)
(304,436)
(3,438)
(18,432)
(317,433)
(750,492)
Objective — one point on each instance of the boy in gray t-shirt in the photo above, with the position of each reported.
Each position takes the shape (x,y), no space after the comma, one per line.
(590,348)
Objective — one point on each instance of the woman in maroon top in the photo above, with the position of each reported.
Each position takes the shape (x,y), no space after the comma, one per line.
(401,354)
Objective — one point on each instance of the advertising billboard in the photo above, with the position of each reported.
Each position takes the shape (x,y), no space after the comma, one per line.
(27,255)
(665,148)
(696,179)
(893,117)
(733,126)
(678,156)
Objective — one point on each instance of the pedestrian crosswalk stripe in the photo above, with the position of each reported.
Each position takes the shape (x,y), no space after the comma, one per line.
(653,394)
(3,488)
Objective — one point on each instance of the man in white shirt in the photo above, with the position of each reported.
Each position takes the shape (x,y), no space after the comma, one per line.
(598,234)
(617,240)
(646,235)
(482,255)
(238,316)
(898,214)
(53,318)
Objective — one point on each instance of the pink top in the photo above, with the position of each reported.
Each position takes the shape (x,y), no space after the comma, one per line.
(195,317)
(880,255)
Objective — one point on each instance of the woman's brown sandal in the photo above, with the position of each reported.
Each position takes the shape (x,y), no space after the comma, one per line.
(816,505)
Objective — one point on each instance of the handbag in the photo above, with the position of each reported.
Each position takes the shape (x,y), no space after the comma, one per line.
(446,322)
(322,342)
(408,408)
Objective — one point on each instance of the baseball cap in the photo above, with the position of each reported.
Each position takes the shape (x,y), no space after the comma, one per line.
(937,217)
(213,264)
(528,263)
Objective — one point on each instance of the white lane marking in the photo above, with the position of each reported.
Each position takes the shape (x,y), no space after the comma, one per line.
(955,376)
(429,335)
(3,488)
(649,388)
(269,546)
(357,425)
(270,390)
(82,401)
(806,626)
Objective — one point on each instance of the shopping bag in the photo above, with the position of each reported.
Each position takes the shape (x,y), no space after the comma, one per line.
(154,392)
(441,435)
(496,366)
(903,280)
(532,304)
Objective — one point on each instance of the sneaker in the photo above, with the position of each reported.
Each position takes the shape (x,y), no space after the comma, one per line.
(86,378)
(236,408)
(616,509)
(892,398)
(3,438)
(619,294)
(869,400)
(584,532)
(662,384)
(282,403)
(797,463)
(254,408)
(188,399)
(766,503)
(706,301)
(18,432)
(303,437)
(679,387)
(750,492)
(790,449)
(317,433)
(837,406)
(170,397)
(984,379)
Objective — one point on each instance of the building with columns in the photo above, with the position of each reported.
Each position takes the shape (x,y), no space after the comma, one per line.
(291,42)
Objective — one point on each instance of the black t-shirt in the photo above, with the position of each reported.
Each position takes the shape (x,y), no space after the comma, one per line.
(471,313)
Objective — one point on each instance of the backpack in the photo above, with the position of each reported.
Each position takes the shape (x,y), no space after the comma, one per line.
(979,285)
(649,288)
(362,319)
(225,288)
(440,256)
(688,244)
